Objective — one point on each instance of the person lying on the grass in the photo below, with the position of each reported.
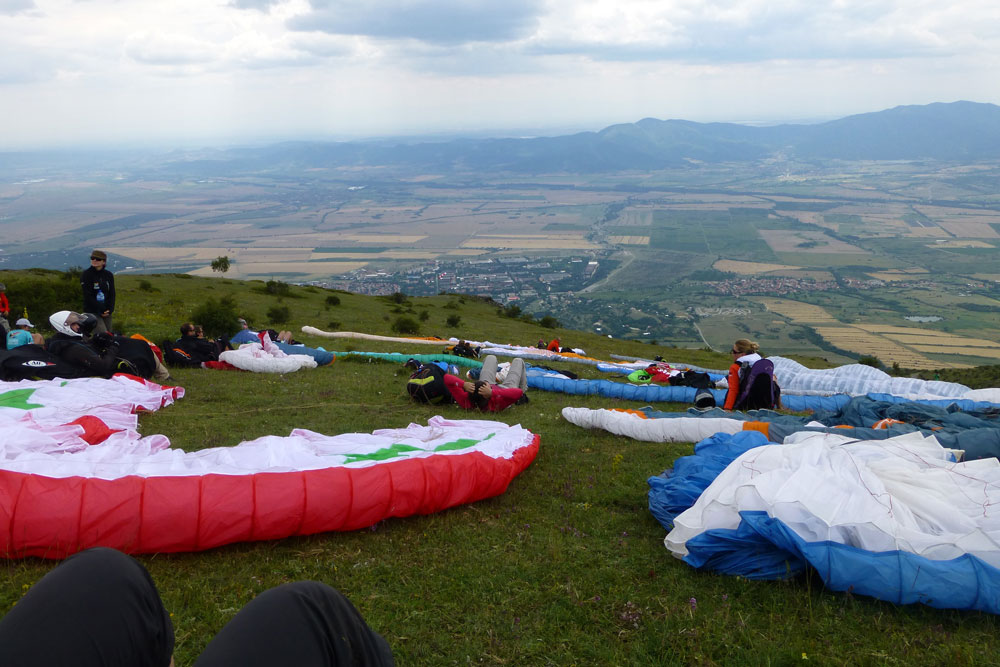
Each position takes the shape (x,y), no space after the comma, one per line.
(485,394)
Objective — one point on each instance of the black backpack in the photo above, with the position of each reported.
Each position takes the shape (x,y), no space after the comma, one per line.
(426,385)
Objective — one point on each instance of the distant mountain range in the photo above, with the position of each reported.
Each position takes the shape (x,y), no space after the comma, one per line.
(957,131)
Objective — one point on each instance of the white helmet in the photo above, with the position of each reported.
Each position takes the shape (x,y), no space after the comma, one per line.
(62,320)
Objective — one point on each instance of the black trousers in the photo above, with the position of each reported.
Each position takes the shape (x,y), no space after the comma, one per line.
(101,607)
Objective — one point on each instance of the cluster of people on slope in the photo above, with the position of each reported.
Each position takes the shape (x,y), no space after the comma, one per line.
(84,343)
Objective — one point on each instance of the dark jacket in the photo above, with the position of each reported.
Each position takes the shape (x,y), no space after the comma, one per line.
(199,349)
(97,284)
(84,354)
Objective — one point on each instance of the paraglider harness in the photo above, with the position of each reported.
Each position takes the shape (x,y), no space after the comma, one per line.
(426,385)
(463,349)
(758,388)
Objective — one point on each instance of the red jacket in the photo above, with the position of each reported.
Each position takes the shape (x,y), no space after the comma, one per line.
(734,387)
(4,304)
(502,397)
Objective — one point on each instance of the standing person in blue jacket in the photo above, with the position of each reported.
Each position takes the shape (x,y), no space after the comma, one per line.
(99,290)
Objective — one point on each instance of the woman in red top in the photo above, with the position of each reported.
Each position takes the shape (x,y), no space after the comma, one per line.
(486,395)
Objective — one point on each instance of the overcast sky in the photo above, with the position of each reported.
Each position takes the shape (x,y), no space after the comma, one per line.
(209,72)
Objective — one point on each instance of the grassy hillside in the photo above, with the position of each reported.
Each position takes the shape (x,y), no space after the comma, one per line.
(567,567)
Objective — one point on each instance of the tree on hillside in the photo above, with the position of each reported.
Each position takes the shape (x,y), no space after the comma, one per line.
(220,264)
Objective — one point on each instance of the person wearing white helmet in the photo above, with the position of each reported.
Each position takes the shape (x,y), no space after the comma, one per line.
(75,344)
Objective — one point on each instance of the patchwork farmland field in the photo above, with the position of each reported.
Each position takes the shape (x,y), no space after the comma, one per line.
(750,268)
(797,311)
(863,342)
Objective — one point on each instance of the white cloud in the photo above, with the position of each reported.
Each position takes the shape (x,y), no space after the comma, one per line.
(157,48)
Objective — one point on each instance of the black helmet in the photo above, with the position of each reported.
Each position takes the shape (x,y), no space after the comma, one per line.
(88,322)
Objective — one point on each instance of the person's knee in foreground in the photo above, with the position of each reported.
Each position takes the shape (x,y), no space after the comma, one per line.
(302,623)
(100,607)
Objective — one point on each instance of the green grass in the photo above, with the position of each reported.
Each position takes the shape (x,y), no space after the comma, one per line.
(567,567)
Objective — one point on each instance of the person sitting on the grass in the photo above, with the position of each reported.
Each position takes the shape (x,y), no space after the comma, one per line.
(193,346)
(24,324)
(464,349)
(485,394)
(101,607)
(751,382)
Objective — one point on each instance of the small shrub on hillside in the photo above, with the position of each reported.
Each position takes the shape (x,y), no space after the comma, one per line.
(146,286)
(184,276)
(513,311)
(217,316)
(72,274)
(549,322)
(870,360)
(279,314)
(454,320)
(527,317)
(424,316)
(332,325)
(40,298)
(277,288)
(398,297)
(406,325)
(451,305)
(332,300)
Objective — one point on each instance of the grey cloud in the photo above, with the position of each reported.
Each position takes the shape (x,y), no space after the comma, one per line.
(447,22)
(11,7)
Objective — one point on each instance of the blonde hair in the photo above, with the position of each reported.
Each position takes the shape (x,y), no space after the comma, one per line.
(744,346)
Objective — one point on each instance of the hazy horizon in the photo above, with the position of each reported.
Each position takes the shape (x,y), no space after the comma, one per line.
(192,73)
